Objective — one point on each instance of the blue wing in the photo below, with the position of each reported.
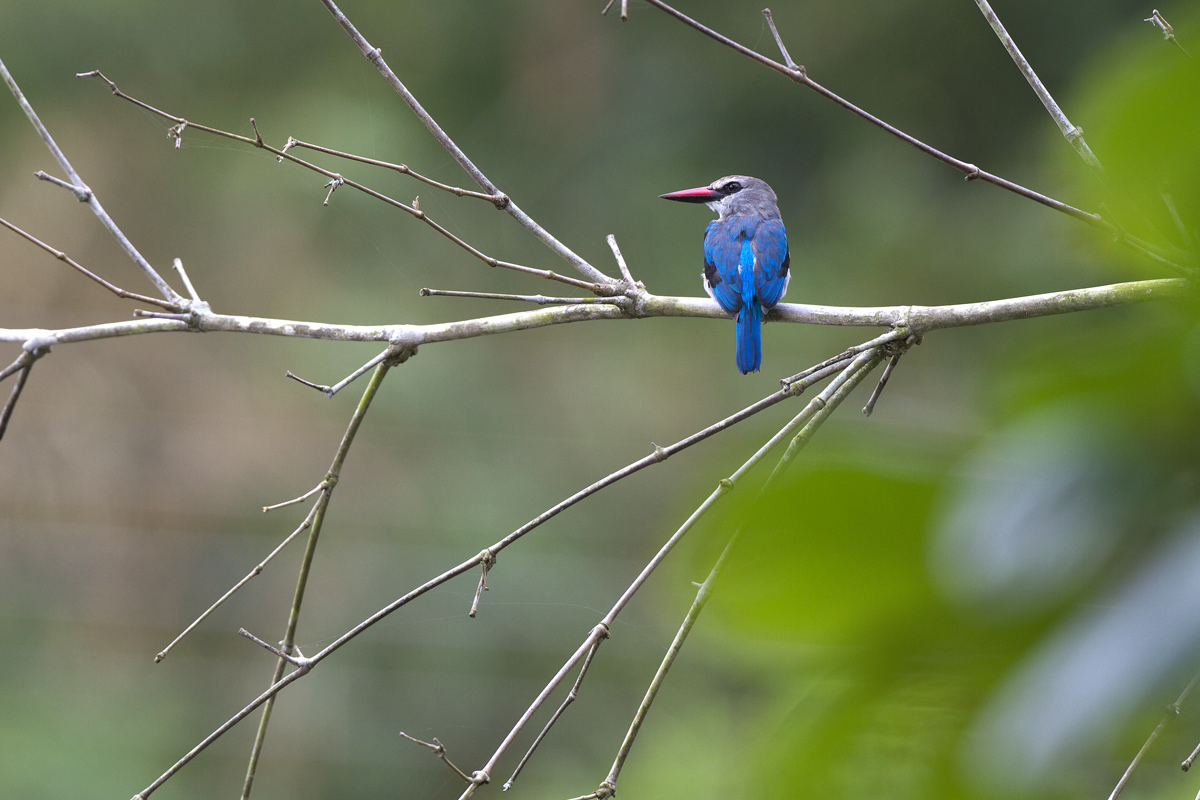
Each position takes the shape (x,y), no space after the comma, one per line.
(722,253)
(771,274)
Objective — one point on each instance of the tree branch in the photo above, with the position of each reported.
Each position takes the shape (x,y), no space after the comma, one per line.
(86,195)
(336,180)
(375,56)
(1072,134)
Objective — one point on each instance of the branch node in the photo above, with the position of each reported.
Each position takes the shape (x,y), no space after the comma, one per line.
(258,140)
(660,453)
(725,484)
(500,200)
(974,174)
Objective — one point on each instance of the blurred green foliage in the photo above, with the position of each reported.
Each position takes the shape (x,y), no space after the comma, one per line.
(984,590)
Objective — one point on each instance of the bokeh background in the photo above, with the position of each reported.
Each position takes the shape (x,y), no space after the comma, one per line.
(987,589)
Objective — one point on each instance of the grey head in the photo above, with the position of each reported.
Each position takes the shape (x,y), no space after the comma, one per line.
(733,196)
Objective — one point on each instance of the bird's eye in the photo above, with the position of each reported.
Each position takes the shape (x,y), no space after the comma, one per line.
(731,187)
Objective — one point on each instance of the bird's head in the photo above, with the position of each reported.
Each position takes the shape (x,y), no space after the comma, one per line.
(733,196)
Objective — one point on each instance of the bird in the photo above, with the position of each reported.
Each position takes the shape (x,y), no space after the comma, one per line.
(746,256)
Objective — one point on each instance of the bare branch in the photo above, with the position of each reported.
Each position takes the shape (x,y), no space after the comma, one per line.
(13,396)
(375,56)
(308,520)
(440,751)
(783,51)
(63,257)
(336,180)
(538,299)
(281,681)
(570,698)
(498,200)
(1072,134)
(85,194)
(621,265)
(915,319)
(883,382)
(1172,710)
(812,417)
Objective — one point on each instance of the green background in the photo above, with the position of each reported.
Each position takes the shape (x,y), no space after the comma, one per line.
(986,589)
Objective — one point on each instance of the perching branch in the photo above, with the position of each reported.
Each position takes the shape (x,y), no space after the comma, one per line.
(916,319)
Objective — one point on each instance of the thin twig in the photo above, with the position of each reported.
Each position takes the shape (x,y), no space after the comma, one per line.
(538,299)
(339,180)
(496,199)
(70,262)
(13,396)
(375,56)
(971,171)
(187,282)
(308,520)
(439,750)
(318,488)
(783,51)
(330,391)
(84,194)
(621,265)
(570,698)
(302,663)
(1172,710)
(1072,134)
(883,379)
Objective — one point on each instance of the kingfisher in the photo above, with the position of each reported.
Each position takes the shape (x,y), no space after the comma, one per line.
(746,256)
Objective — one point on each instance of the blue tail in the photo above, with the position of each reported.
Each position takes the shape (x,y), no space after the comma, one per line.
(749,337)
